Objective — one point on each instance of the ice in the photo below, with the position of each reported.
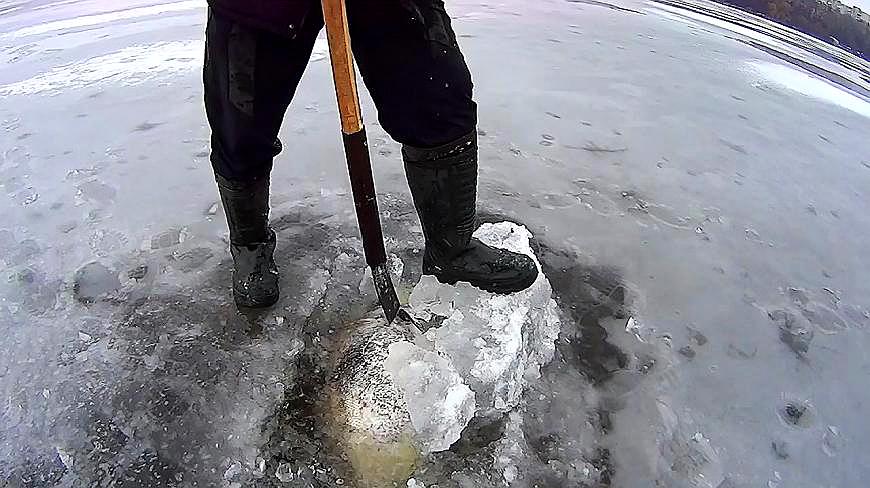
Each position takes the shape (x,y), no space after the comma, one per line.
(665,445)
(284,473)
(511,449)
(66,458)
(132,65)
(259,467)
(233,471)
(832,441)
(439,403)
(94,281)
(497,343)
(810,86)
(412,483)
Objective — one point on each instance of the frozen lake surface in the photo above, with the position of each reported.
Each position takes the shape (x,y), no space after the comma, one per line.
(696,180)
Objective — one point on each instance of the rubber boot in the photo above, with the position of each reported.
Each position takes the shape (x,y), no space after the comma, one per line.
(443,183)
(252,242)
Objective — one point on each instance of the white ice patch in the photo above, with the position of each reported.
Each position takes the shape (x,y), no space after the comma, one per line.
(497,343)
(809,85)
(98,19)
(671,16)
(128,67)
(439,403)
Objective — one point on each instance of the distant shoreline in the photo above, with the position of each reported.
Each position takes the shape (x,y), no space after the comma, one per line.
(838,24)
(785,42)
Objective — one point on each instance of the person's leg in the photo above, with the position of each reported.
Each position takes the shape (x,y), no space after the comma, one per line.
(412,65)
(249,78)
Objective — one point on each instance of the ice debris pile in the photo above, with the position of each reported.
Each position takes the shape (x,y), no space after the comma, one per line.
(474,361)
(497,343)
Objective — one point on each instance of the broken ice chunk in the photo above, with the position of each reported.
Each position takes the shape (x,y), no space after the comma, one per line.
(284,473)
(439,403)
(233,471)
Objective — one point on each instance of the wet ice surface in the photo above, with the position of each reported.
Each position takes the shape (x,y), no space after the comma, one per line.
(672,172)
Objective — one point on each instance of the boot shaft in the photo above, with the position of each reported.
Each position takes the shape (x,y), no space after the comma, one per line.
(252,242)
(246,204)
(443,182)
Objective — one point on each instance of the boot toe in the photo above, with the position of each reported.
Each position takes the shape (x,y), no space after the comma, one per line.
(490,269)
(520,275)
(260,293)
(244,300)
(255,274)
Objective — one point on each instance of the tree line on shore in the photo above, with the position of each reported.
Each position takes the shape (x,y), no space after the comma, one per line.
(821,20)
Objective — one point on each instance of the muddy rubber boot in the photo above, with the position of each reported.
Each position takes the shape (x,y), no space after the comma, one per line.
(252,242)
(443,182)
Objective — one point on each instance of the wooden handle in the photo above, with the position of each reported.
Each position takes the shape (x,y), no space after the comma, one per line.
(335,17)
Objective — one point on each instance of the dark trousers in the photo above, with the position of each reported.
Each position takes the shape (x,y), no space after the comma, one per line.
(407,55)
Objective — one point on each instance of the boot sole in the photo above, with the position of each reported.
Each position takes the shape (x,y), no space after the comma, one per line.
(498,288)
(245,302)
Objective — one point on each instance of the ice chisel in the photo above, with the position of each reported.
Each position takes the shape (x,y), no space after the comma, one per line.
(357,153)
